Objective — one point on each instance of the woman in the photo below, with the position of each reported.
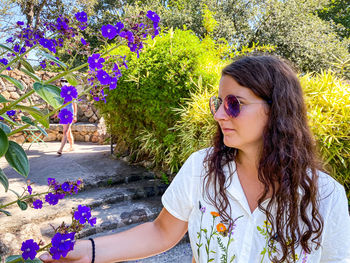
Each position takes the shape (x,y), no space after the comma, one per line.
(67,131)
(270,202)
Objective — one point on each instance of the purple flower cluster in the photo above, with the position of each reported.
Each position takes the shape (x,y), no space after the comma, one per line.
(29,248)
(83,215)
(155,19)
(58,192)
(4,61)
(62,244)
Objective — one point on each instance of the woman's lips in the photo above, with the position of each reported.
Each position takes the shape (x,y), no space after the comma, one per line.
(227,130)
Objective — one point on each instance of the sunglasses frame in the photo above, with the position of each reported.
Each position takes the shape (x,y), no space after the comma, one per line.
(227,110)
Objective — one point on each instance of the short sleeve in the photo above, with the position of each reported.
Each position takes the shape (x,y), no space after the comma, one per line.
(336,238)
(178,198)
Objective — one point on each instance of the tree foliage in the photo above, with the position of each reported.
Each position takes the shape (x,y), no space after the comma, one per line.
(337,11)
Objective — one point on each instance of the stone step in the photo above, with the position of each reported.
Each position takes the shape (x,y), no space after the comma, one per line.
(94,198)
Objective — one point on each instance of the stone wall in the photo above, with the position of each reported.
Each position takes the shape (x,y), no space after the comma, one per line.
(89,127)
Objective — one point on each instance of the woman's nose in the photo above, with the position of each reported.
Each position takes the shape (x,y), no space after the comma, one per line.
(220,113)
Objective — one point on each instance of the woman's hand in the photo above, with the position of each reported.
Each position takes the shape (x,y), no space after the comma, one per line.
(82,253)
(75,119)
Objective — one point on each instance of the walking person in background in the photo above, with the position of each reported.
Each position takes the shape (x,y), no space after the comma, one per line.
(67,115)
(258,194)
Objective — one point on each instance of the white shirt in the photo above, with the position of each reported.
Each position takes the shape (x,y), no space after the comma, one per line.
(248,238)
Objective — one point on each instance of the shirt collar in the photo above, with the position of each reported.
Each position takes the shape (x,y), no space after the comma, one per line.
(235,188)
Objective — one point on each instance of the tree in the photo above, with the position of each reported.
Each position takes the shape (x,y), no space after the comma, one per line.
(337,11)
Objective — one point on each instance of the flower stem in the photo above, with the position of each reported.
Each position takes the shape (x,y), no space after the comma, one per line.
(21,199)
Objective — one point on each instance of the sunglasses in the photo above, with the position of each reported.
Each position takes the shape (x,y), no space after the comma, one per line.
(232,105)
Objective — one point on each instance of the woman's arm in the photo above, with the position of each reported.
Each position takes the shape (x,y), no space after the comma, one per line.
(141,241)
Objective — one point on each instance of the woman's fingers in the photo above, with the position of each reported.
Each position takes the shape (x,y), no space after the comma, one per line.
(46,257)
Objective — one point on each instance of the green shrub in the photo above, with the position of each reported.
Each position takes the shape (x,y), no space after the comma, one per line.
(156,83)
(328,100)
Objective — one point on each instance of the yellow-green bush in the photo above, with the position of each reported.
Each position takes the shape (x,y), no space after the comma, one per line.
(328,101)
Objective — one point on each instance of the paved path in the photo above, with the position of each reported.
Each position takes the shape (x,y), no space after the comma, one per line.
(88,161)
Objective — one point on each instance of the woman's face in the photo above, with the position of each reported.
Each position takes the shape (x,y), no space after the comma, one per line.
(246,130)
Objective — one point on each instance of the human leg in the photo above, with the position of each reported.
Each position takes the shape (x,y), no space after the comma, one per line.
(64,138)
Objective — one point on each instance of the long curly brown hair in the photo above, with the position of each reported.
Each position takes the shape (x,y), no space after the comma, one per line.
(288,160)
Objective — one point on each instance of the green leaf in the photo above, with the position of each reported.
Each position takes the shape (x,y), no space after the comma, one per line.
(27,120)
(211,260)
(7,118)
(5,212)
(27,65)
(37,114)
(50,57)
(6,47)
(17,158)
(3,180)
(22,205)
(72,79)
(35,260)
(14,258)
(50,93)
(30,74)
(17,194)
(15,82)
(4,142)
(3,100)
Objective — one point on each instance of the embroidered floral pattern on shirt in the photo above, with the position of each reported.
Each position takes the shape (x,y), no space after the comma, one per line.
(270,250)
(218,230)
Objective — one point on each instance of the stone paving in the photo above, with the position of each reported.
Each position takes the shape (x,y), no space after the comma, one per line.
(120,195)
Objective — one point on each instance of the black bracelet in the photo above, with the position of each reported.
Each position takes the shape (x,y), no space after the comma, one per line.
(93,250)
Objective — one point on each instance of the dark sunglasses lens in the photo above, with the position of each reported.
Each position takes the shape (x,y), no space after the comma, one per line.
(214,104)
(232,106)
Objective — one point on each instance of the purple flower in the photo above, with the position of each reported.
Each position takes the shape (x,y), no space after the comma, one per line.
(20,23)
(83,214)
(92,221)
(51,198)
(43,64)
(65,116)
(103,77)
(49,44)
(127,35)
(69,93)
(16,48)
(83,41)
(30,189)
(109,31)
(4,61)
(61,24)
(116,70)
(10,40)
(1,118)
(113,83)
(11,113)
(38,204)
(119,26)
(95,61)
(81,17)
(51,181)
(153,16)
(66,187)
(124,61)
(62,244)
(203,209)
(29,248)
